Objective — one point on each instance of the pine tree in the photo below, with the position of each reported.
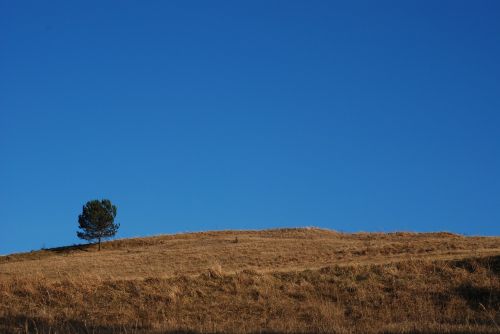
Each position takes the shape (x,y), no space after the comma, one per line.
(97,221)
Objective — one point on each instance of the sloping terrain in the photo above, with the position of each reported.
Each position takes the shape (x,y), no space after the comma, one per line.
(276,281)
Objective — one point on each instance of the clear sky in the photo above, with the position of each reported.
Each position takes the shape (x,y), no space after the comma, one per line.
(205,115)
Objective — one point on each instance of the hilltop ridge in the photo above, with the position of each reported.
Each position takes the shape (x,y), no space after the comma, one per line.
(265,250)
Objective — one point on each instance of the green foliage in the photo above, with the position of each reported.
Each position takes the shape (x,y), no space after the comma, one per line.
(97,221)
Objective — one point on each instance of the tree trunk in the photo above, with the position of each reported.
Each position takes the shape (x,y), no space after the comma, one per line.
(99,249)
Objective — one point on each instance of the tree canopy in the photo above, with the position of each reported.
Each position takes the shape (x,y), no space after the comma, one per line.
(96,222)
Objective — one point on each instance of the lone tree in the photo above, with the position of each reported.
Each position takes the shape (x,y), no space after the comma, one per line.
(97,221)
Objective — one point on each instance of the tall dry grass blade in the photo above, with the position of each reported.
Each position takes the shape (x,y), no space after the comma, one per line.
(490,316)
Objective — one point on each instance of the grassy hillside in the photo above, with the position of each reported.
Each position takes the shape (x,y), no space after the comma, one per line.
(276,281)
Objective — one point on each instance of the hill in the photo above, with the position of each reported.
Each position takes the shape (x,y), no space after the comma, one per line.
(275,281)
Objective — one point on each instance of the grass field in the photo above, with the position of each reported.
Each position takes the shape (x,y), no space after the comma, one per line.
(272,281)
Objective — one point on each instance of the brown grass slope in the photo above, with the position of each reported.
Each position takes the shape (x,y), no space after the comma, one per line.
(272,281)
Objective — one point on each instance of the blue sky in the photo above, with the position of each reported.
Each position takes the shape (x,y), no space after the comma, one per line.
(203,115)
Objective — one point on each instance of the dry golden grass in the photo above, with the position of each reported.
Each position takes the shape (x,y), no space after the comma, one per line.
(275,281)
